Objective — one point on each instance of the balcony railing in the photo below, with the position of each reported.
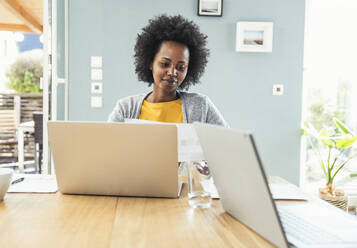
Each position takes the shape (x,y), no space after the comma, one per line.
(22,106)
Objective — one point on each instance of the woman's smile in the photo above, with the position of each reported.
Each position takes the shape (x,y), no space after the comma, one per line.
(170,80)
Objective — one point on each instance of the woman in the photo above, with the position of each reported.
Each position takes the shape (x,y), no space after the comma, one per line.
(171,55)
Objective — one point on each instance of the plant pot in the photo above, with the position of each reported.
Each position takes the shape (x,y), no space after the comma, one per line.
(337,198)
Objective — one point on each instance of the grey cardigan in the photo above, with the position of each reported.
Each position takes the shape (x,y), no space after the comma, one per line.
(195,107)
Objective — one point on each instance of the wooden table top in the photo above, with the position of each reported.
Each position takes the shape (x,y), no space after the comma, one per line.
(57,220)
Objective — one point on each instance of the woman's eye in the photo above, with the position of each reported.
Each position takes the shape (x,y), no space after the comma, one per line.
(163,64)
(181,68)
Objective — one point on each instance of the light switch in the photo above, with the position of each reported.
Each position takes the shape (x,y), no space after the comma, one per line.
(96,102)
(278,90)
(96,88)
(97,74)
(96,61)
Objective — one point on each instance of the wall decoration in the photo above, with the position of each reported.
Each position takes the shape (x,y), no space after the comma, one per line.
(254,37)
(210,7)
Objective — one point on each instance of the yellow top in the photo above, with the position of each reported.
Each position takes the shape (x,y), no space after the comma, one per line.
(162,111)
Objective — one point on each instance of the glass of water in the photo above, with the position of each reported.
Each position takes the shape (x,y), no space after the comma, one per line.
(199,180)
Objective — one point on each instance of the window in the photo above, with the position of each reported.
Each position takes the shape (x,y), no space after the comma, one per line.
(330,74)
(5,48)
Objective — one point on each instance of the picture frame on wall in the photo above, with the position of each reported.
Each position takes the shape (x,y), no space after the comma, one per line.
(210,7)
(254,37)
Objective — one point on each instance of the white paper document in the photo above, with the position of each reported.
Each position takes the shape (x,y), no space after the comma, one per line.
(282,191)
(189,148)
(279,191)
(34,183)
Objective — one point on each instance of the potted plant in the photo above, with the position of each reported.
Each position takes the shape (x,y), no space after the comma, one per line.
(338,142)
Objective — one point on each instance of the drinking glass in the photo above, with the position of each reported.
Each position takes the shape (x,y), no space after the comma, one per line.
(199,178)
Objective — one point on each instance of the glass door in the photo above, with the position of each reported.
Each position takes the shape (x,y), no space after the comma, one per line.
(47,80)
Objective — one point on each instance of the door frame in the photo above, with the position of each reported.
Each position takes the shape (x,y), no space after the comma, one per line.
(50,80)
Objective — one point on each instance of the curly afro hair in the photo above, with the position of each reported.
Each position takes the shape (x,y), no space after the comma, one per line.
(171,28)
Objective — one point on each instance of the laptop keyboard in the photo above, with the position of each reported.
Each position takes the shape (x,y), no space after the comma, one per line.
(299,229)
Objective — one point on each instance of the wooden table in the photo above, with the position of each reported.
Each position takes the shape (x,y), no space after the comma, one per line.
(56,220)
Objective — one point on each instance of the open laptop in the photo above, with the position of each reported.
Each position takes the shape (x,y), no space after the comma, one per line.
(115,158)
(242,185)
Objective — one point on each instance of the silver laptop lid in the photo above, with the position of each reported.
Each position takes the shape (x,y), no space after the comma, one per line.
(115,158)
(240,180)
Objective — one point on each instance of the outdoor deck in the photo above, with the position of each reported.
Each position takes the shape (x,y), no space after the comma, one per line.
(16,109)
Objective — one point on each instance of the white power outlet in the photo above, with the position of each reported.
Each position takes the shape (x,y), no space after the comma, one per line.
(96,102)
(96,74)
(96,61)
(97,88)
(278,90)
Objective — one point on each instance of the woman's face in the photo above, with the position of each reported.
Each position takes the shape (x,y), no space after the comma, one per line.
(169,67)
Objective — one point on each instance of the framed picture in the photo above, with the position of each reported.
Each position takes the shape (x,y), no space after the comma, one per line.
(254,37)
(210,7)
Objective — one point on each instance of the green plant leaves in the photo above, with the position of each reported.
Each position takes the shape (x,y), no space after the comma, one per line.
(309,129)
(345,142)
(342,127)
(325,139)
(341,138)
